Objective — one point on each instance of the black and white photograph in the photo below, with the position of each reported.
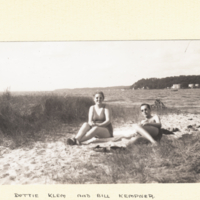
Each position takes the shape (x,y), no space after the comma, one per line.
(99,99)
(100,112)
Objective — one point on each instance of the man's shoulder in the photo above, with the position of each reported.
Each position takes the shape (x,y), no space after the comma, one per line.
(156,117)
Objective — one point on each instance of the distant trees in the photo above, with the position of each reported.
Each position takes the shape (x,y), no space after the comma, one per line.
(156,83)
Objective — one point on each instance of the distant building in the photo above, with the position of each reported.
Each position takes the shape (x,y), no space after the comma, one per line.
(145,88)
(176,86)
(191,85)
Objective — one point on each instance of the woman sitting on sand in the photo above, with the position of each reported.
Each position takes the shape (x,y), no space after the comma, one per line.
(148,129)
(98,125)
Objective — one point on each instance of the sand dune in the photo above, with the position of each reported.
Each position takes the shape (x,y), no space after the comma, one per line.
(49,162)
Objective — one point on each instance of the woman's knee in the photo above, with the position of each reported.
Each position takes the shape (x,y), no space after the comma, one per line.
(85,125)
(95,128)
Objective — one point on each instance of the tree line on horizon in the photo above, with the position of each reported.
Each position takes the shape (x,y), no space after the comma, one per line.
(168,82)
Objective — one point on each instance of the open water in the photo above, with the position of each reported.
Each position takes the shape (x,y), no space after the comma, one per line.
(183,99)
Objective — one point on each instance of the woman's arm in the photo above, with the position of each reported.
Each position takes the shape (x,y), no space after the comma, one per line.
(157,123)
(108,119)
(90,115)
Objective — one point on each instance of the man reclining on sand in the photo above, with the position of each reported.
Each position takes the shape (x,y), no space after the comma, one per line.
(149,129)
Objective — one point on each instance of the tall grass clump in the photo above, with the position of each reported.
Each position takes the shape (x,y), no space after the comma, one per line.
(66,109)
(23,117)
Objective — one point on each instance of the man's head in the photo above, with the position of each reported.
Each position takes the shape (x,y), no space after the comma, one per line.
(146,110)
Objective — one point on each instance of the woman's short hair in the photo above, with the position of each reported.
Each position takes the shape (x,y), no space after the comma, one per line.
(99,92)
(147,105)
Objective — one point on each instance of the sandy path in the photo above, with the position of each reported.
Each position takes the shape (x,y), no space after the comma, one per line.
(49,162)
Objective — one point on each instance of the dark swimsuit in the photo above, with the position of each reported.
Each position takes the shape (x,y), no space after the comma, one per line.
(159,136)
(101,119)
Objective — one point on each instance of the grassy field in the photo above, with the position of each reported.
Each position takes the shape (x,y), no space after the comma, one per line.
(26,119)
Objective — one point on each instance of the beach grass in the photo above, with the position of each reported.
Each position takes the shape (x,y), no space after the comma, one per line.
(173,161)
(27,119)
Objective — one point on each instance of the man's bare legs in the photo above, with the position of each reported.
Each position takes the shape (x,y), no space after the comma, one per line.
(146,132)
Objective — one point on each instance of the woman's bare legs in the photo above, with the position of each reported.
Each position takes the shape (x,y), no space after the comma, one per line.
(111,139)
(99,132)
(86,132)
(83,130)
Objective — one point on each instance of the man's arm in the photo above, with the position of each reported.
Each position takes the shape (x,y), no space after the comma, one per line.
(157,123)
(90,122)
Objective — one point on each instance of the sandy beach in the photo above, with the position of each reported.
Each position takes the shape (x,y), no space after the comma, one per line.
(54,162)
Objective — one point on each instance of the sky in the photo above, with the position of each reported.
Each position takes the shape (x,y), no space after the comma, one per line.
(46,66)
